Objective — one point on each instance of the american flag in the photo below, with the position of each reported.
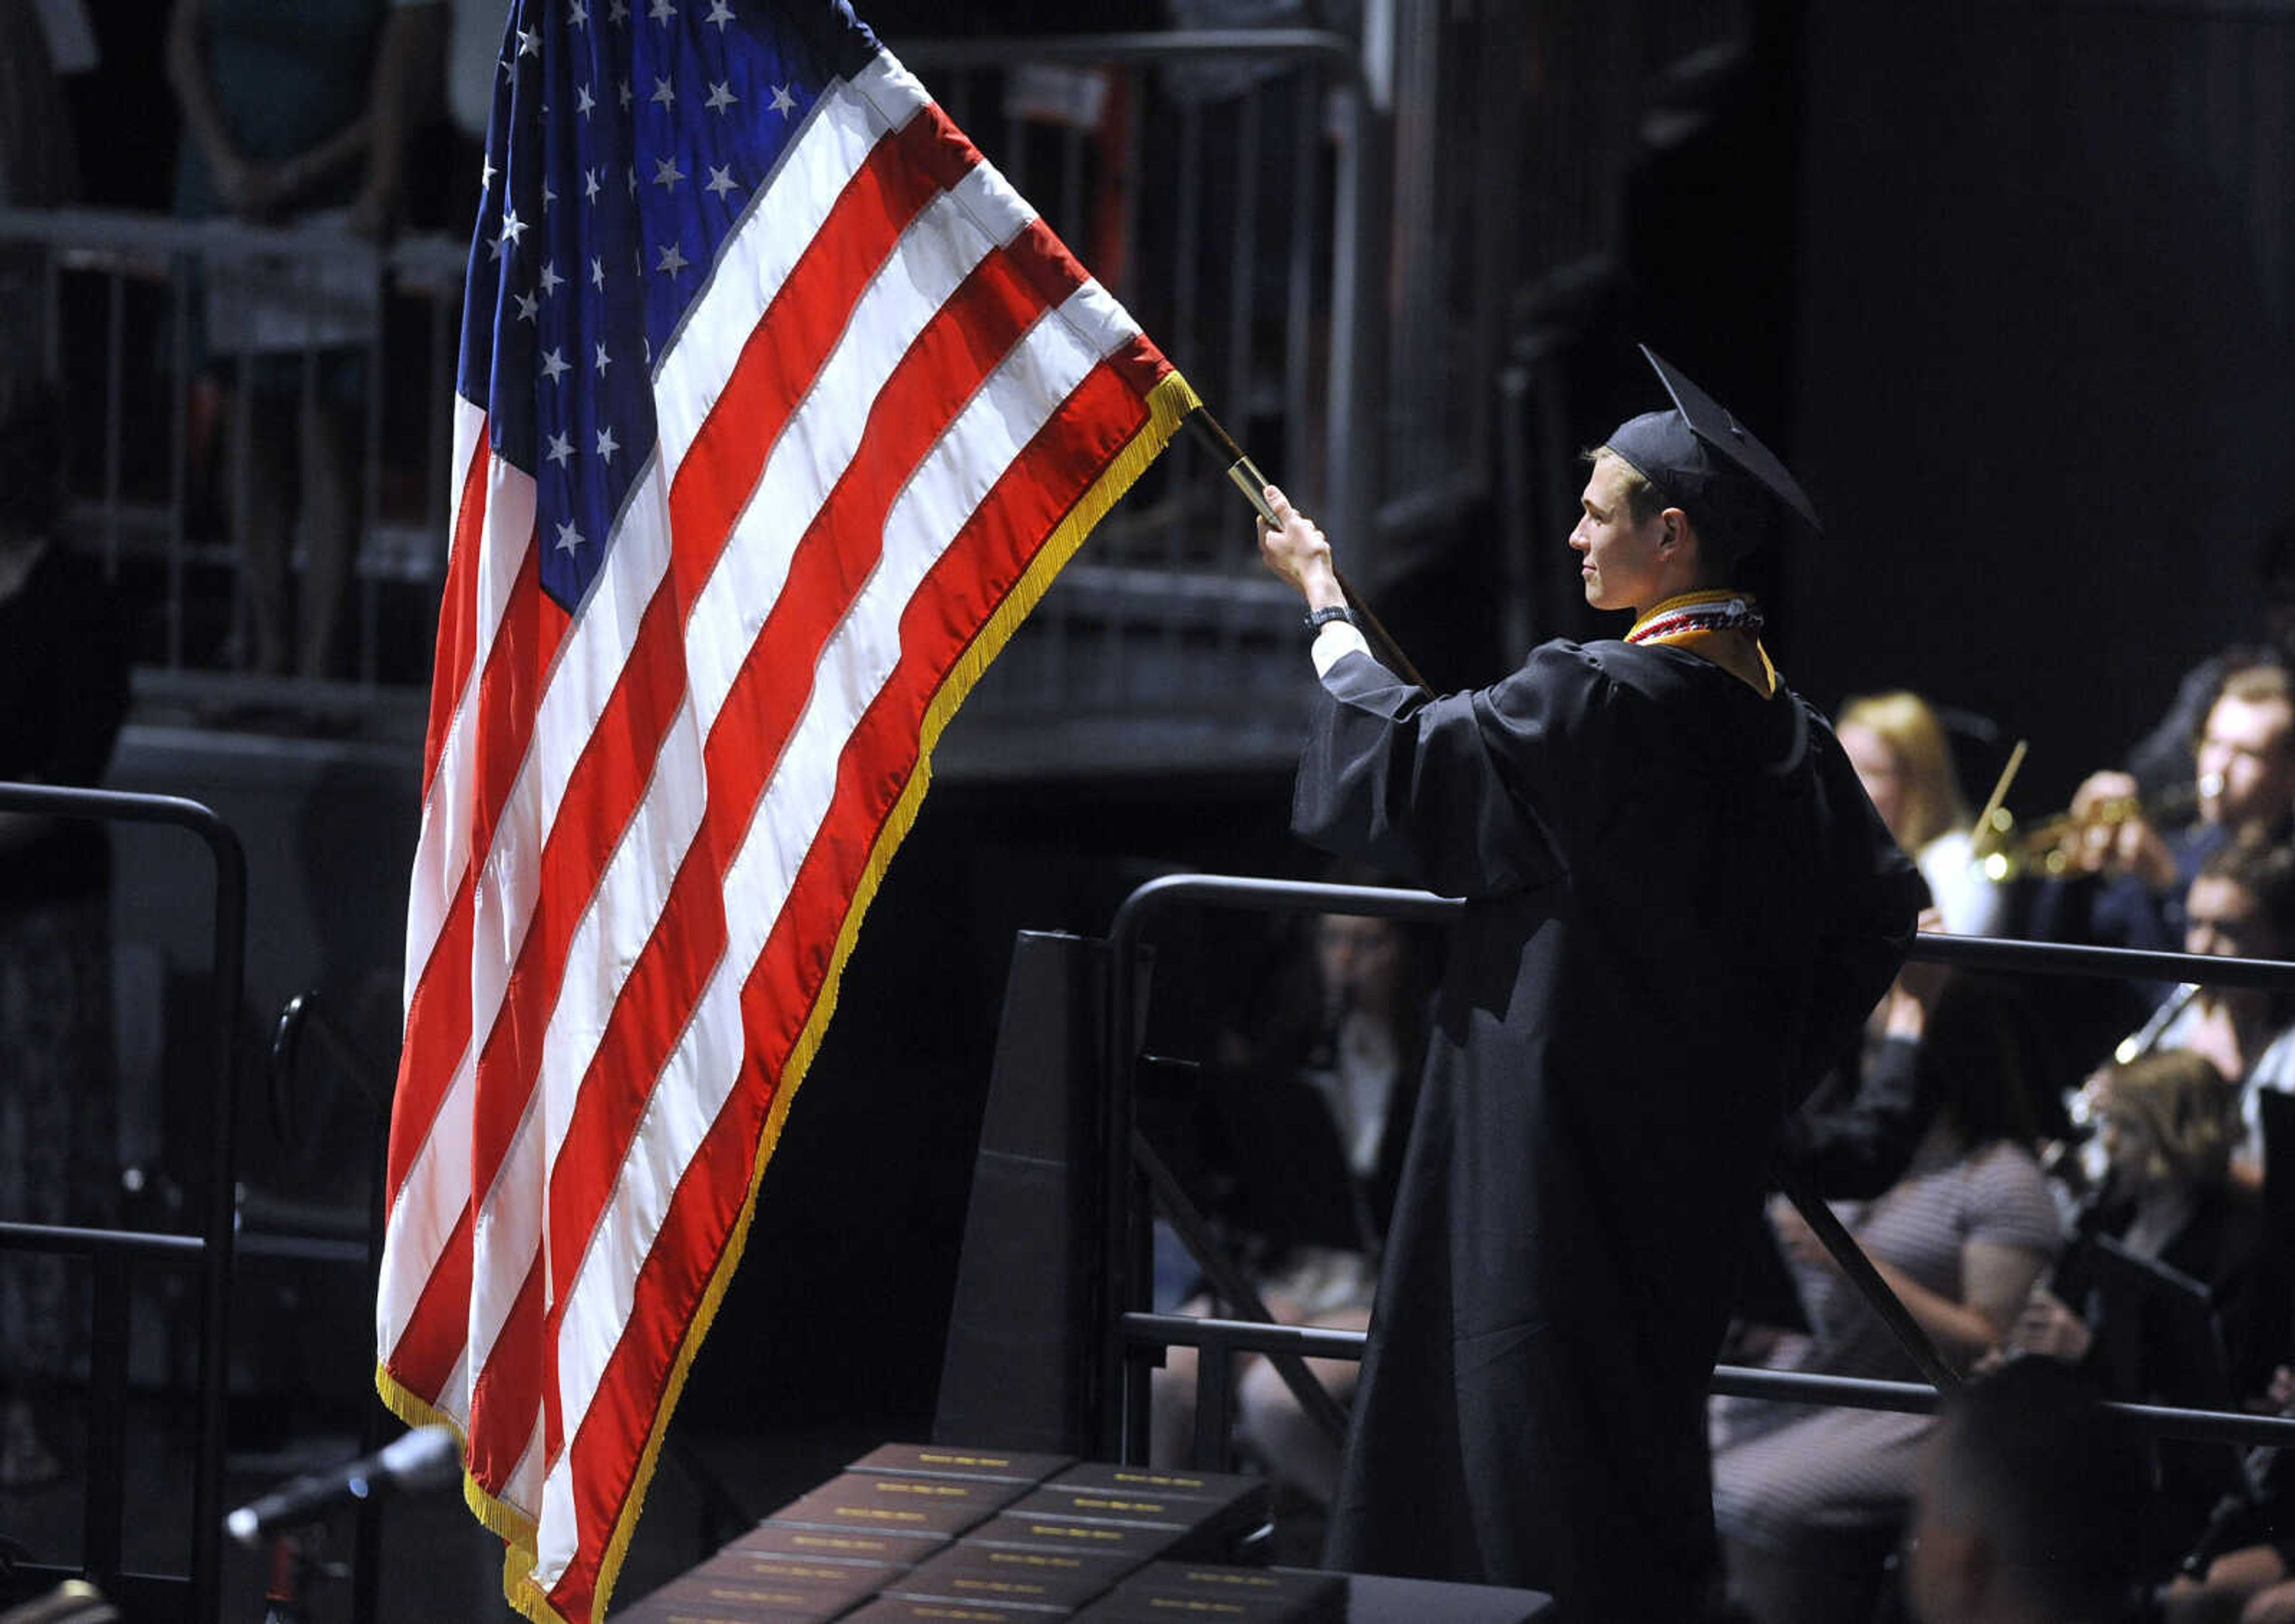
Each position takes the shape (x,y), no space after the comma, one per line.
(776,410)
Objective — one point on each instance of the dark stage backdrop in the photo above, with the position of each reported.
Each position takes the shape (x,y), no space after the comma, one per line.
(2046,257)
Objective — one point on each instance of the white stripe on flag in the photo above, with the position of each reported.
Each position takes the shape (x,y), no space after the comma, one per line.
(844,128)
(970,457)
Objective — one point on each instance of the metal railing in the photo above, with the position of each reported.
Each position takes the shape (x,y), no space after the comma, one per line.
(1199,174)
(1131,1338)
(114,1252)
(154,327)
(1223,185)
(304,1016)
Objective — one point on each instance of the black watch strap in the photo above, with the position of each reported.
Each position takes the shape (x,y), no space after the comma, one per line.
(1316,619)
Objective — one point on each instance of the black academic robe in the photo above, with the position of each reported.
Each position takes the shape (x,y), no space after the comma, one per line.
(1681,907)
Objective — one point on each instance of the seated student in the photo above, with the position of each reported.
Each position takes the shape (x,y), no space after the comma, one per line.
(2162,758)
(2166,1122)
(2242,1567)
(2130,876)
(1352,1032)
(1904,760)
(1807,1501)
(2029,1500)
(2241,905)
(2243,782)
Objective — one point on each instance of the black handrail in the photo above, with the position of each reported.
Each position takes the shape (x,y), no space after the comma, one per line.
(228,955)
(1231,1336)
(1122,1401)
(307,1012)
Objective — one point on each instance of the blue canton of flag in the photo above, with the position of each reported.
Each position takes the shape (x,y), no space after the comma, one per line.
(634,145)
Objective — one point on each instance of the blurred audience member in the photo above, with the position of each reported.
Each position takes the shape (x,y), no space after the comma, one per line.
(1352,1035)
(1808,1501)
(2028,1501)
(2162,763)
(2129,868)
(1904,760)
(302,111)
(2243,781)
(2241,906)
(64,692)
(2167,1123)
(2243,1568)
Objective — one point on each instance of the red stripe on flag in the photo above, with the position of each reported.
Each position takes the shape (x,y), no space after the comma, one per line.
(435,1040)
(786,349)
(938,624)
(458,609)
(958,347)
(601,795)
(441,1005)
(1060,463)
(524,646)
(422,1363)
(508,1388)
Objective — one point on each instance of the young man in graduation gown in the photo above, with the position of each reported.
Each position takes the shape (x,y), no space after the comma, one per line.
(1680,908)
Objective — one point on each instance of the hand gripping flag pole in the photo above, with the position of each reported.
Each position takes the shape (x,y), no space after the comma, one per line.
(1245,477)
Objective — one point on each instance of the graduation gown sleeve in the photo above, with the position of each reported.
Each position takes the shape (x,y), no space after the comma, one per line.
(1453,794)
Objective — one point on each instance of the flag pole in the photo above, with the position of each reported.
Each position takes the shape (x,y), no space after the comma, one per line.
(1245,477)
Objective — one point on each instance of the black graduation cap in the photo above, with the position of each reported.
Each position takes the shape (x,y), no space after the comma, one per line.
(1701,456)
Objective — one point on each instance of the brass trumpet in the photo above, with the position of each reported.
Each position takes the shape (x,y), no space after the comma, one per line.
(2052,846)
(2048,847)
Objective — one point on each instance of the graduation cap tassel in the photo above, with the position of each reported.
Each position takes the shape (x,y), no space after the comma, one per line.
(1244,474)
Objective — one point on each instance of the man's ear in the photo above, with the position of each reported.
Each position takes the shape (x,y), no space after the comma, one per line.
(1680,536)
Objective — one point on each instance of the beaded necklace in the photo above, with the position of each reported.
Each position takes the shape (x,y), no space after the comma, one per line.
(1717,625)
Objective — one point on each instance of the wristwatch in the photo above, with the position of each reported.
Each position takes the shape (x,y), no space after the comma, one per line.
(1316,619)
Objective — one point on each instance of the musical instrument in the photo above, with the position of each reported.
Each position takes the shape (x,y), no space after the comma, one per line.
(2051,848)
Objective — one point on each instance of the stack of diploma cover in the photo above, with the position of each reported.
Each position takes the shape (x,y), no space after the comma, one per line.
(977,1537)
